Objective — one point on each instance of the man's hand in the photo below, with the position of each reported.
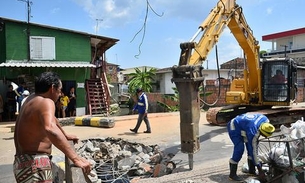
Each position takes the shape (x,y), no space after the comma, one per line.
(74,138)
(83,164)
(261,175)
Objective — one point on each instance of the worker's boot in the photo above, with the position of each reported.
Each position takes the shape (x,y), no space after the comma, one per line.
(251,168)
(233,176)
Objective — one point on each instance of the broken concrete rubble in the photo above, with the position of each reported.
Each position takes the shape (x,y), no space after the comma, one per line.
(117,160)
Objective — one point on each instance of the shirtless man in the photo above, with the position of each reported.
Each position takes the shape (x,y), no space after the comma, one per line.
(37,129)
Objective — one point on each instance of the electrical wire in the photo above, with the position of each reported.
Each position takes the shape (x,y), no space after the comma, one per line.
(219,85)
(143,28)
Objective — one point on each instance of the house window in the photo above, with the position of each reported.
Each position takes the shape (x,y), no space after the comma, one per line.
(42,48)
(110,68)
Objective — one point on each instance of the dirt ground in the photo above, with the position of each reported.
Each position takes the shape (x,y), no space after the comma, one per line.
(165,133)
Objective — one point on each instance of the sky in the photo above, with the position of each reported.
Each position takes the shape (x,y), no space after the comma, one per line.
(168,23)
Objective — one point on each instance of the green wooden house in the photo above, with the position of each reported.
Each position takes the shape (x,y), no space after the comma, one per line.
(28,49)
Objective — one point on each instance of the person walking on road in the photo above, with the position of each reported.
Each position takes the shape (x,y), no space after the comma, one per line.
(37,129)
(142,108)
(243,130)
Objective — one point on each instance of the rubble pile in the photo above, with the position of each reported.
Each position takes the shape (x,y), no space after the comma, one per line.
(117,160)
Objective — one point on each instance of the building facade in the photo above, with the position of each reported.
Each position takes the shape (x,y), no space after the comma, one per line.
(28,49)
(289,43)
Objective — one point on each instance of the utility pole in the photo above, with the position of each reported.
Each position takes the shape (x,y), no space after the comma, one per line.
(28,32)
(98,61)
(96,28)
(207,64)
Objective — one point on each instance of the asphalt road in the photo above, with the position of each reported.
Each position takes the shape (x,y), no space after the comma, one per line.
(210,163)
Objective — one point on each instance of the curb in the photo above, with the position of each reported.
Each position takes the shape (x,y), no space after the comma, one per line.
(94,121)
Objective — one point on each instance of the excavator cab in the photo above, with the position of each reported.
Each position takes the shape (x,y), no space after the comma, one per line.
(279,81)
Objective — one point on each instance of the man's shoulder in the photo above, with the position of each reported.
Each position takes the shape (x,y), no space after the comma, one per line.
(40,99)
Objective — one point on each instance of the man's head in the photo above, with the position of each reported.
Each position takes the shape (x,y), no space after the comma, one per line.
(10,87)
(23,84)
(49,82)
(266,129)
(139,90)
(279,72)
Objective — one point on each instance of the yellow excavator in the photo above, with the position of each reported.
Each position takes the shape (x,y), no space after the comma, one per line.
(256,91)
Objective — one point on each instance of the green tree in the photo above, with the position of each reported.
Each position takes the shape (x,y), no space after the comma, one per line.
(261,53)
(141,79)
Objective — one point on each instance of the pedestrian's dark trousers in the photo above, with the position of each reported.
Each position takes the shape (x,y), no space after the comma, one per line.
(140,118)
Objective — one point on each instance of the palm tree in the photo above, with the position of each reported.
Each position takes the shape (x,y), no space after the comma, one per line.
(141,79)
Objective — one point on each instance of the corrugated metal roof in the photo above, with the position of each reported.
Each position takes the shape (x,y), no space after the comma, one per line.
(46,64)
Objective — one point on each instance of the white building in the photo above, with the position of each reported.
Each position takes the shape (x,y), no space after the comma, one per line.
(164,76)
(289,43)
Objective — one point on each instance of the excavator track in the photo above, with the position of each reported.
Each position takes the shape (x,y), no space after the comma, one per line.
(277,115)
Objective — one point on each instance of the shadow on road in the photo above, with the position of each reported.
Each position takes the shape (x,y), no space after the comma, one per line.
(213,133)
(183,164)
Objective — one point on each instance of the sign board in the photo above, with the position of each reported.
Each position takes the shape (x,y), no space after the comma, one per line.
(80,85)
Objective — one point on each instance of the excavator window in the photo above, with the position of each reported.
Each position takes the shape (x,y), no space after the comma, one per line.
(275,83)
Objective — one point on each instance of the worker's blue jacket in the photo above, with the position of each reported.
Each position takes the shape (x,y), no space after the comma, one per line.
(245,129)
(142,105)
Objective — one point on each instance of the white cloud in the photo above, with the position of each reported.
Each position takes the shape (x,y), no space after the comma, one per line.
(121,12)
(113,12)
(55,10)
(269,11)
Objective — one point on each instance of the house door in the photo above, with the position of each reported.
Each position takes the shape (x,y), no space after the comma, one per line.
(66,85)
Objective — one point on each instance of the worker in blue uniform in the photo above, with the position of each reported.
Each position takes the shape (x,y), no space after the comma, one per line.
(244,130)
(142,108)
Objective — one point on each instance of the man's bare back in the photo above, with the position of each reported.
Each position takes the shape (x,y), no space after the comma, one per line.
(31,137)
(37,129)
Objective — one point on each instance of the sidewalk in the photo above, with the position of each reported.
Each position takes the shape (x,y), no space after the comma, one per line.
(210,163)
(6,127)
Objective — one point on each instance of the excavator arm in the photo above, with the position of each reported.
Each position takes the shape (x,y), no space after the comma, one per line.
(225,14)
(210,29)
(188,75)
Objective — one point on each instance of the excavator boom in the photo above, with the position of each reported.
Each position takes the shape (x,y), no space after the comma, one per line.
(252,92)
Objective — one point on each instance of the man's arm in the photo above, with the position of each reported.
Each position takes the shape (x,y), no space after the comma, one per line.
(58,136)
(74,138)
(145,103)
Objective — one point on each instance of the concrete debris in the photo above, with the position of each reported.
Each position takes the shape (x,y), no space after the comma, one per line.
(120,161)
